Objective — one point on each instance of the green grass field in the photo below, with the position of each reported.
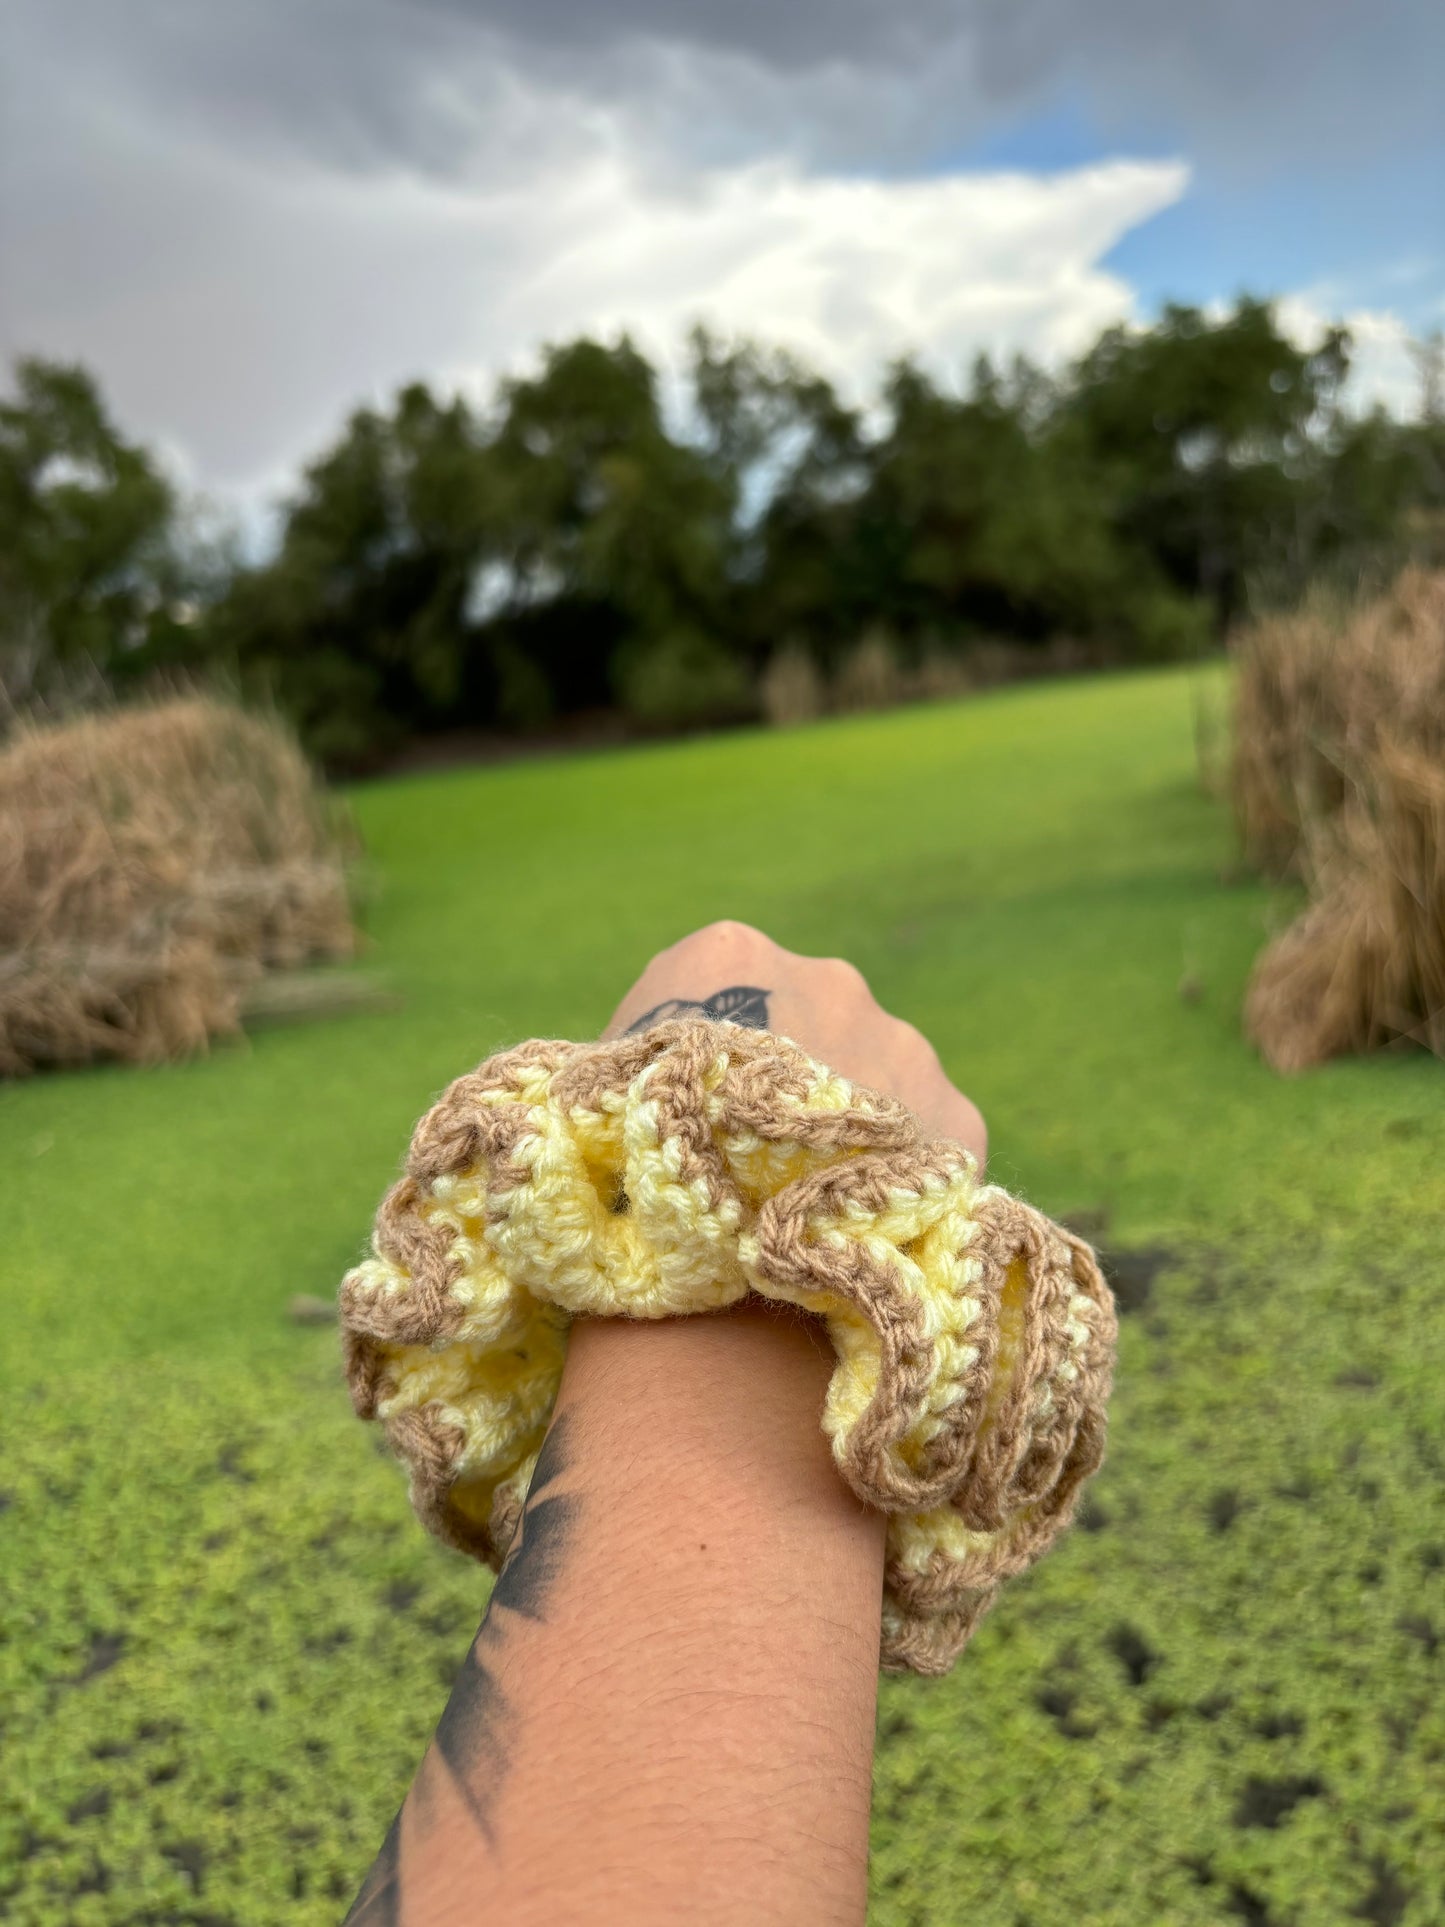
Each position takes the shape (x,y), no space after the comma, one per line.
(223,1640)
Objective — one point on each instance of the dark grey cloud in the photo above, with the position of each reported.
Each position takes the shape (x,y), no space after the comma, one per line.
(378,83)
(357,83)
(1237,79)
(792,37)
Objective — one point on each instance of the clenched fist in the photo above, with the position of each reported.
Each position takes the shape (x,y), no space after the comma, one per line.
(729,970)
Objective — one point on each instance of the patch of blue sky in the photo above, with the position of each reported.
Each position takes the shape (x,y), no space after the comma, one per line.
(1367,231)
(1372,237)
(1058,134)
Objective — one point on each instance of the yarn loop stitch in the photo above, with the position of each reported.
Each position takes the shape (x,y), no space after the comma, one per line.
(675,1172)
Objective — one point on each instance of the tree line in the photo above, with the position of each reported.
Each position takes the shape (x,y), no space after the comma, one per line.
(591,540)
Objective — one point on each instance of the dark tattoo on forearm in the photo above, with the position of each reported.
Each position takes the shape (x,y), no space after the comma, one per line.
(533,1565)
(470,1743)
(739,1004)
(379,1902)
(471,1735)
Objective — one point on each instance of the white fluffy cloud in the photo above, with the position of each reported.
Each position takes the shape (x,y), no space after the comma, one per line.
(849,271)
(1384,369)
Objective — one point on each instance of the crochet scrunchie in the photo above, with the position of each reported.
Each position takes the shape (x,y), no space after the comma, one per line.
(677,1171)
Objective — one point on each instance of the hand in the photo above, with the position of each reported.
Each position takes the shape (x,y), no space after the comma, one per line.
(822,1003)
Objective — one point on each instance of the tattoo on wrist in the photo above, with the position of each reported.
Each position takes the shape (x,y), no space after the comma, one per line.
(379,1902)
(738,1004)
(470,1743)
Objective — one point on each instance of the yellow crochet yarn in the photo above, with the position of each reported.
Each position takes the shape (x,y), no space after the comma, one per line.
(676,1172)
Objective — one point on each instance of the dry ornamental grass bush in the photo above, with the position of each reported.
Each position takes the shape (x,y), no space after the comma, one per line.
(154,862)
(871,676)
(877,674)
(941,677)
(792,688)
(1339,778)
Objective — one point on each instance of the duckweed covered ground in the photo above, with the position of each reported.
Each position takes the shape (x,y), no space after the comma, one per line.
(223,1641)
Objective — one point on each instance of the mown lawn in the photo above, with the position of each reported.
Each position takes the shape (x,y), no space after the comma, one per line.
(222,1638)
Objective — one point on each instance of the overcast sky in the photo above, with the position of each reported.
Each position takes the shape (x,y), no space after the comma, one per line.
(248,215)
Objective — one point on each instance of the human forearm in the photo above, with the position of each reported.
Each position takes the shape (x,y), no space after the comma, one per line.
(668,1712)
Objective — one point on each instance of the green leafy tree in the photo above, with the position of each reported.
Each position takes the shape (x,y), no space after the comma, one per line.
(1382,493)
(358,625)
(984,517)
(90,583)
(440,568)
(617,534)
(1207,436)
(794,461)
(577,545)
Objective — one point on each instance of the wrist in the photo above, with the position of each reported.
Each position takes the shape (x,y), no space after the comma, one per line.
(733,1398)
(699,1441)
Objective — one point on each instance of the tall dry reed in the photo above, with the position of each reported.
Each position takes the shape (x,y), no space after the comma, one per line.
(153,863)
(1339,779)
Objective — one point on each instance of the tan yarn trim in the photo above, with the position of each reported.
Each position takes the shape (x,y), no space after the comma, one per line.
(676,1172)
